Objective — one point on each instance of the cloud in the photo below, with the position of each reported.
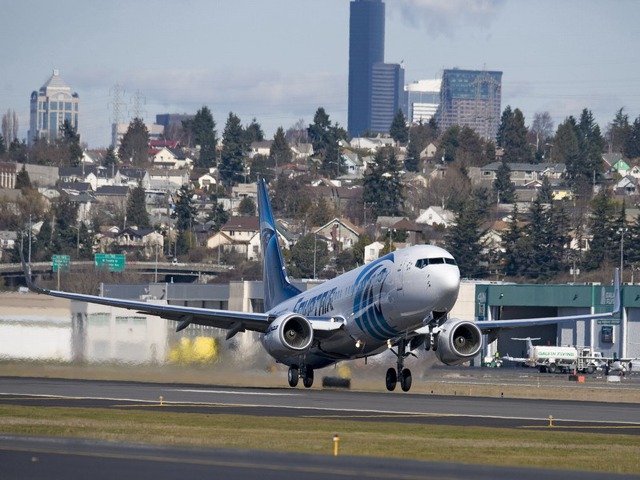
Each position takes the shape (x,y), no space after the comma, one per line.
(444,17)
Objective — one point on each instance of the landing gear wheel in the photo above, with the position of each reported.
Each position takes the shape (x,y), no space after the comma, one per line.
(307,377)
(391,379)
(405,380)
(293,376)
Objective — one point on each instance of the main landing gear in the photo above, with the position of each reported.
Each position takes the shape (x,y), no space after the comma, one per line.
(399,373)
(294,374)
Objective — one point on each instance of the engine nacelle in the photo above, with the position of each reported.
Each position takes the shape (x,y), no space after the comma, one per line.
(458,341)
(288,334)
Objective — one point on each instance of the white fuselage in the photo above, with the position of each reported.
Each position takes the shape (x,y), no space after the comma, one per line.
(379,301)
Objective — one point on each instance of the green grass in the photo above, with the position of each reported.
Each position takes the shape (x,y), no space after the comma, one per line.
(528,447)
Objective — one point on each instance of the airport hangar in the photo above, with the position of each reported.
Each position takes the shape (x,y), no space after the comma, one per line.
(615,337)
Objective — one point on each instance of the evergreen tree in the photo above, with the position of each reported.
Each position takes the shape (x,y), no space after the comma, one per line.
(319,213)
(202,128)
(134,147)
(3,146)
(307,252)
(137,208)
(324,137)
(567,150)
(548,235)
(184,214)
(254,132)
(110,160)
(64,236)
(234,151)
(449,144)
(399,130)
(247,207)
(280,153)
(463,240)
(218,215)
(503,186)
(591,145)
(22,178)
(601,230)
(505,118)
(382,185)
(618,131)
(70,141)
(511,241)
(545,193)
(632,143)
(513,137)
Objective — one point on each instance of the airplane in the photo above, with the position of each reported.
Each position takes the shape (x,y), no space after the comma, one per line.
(401,300)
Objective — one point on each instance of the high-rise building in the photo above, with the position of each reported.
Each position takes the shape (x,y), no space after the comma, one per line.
(387,94)
(50,107)
(366,48)
(423,99)
(471,98)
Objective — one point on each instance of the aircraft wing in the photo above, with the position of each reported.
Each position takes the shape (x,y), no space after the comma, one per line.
(488,325)
(234,322)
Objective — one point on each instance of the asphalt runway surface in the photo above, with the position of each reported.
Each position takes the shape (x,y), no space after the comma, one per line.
(41,458)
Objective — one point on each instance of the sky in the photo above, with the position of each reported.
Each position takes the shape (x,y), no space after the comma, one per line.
(278,61)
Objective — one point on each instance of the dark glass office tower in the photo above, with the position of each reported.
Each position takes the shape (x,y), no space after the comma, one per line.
(366,47)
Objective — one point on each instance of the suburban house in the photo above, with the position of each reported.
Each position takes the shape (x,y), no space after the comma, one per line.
(240,234)
(339,234)
(132,177)
(167,180)
(145,241)
(372,251)
(524,173)
(171,159)
(436,216)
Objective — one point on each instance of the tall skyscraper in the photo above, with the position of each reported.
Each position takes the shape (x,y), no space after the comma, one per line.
(366,48)
(471,98)
(50,107)
(387,94)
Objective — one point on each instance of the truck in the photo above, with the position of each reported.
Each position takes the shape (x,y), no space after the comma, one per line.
(560,359)
(565,359)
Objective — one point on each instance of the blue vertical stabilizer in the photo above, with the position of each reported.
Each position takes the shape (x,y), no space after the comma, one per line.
(276,283)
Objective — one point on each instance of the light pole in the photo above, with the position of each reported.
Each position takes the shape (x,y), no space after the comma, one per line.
(315,238)
(622,230)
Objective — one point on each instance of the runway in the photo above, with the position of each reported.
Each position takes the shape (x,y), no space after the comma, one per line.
(46,458)
(603,417)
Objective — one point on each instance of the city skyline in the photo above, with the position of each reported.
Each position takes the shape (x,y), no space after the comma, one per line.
(558,57)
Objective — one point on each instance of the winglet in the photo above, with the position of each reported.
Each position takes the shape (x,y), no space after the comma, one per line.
(26,268)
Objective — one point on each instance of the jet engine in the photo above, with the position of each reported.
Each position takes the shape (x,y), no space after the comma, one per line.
(288,334)
(458,341)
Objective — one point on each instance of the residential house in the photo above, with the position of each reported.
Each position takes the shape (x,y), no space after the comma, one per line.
(171,159)
(373,144)
(132,177)
(628,185)
(524,173)
(302,151)
(436,216)
(339,234)
(168,180)
(114,195)
(372,251)
(352,164)
(240,234)
(261,148)
(144,241)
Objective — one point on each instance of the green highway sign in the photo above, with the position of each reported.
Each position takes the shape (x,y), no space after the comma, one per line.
(60,262)
(609,321)
(110,261)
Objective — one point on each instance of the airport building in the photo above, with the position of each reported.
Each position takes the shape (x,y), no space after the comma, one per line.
(54,103)
(471,98)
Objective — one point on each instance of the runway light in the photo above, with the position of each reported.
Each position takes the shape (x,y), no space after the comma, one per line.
(336,441)
(161,400)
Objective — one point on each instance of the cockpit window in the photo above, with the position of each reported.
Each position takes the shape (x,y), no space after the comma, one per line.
(423,262)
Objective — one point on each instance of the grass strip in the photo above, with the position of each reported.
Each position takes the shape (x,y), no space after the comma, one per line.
(525,447)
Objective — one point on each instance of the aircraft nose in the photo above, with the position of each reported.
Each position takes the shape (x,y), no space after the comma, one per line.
(447,285)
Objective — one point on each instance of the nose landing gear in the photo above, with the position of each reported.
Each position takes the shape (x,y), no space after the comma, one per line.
(295,373)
